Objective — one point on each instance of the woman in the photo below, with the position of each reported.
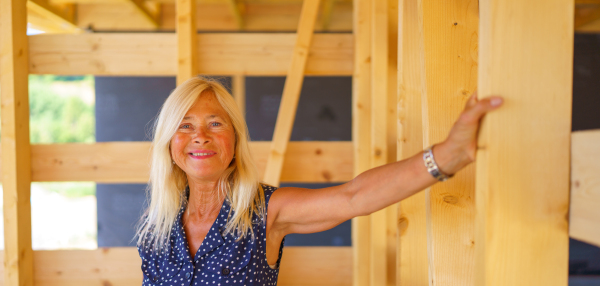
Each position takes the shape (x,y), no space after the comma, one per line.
(210,222)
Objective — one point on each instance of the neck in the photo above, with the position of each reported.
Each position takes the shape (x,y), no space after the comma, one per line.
(204,202)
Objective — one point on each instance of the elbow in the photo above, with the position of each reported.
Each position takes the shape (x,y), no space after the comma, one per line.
(355,199)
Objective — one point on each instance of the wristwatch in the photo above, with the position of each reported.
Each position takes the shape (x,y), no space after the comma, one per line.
(432,167)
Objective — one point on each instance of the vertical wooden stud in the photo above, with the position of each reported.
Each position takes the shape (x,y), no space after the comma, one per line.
(379,122)
(411,260)
(16,154)
(450,49)
(361,131)
(238,86)
(187,40)
(523,149)
(291,92)
(392,99)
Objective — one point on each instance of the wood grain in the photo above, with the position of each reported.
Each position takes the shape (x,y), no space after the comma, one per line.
(120,266)
(584,214)
(291,92)
(128,162)
(361,133)
(16,174)
(187,40)
(450,50)
(155,54)
(412,262)
(523,148)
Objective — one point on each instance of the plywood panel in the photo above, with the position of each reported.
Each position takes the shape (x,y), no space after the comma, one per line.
(523,149)
(128,162)
(361,132)
(120,266)
(584,214)
(450,49)
(412,262)
(16,174)
(291,92)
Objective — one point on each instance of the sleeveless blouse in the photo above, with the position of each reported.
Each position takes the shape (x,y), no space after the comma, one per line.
(220,259)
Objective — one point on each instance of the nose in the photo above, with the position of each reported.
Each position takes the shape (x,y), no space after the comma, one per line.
(202,136)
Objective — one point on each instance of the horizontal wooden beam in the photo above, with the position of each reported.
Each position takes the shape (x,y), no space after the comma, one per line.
(128,162)
(584,221)
(149,54)
(120,266)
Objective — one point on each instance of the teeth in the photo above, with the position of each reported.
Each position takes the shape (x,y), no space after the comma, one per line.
(200,154)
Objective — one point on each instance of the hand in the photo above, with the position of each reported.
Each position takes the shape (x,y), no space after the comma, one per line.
(459,149)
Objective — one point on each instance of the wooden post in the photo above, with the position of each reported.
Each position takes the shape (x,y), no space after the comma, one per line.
(187,40)
(16,157)
(411,261)
(392,138)
(379,122)
(450,49)
(361,132)
(584,213)
(291,92)
(523,149)
(238,86)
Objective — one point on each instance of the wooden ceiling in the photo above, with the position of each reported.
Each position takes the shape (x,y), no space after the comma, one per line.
(76,16)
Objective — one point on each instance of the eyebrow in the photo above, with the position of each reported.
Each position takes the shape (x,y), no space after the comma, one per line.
(210,116)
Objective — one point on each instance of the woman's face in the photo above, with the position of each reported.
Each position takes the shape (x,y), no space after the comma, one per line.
(204,143)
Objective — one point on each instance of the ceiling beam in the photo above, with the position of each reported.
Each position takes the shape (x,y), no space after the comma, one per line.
(48,18)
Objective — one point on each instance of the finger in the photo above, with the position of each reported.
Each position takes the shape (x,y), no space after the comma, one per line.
(482,107)
(471,101)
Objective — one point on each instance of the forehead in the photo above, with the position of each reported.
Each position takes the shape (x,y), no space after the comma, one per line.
(206,105)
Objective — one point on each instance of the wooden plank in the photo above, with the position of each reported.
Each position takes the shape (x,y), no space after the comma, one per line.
(16,174)
(238,87)
(236,12)
(47,17)
(361,133)
(128,162)
(291,92)
(586,15)
(523,150)
(378,266)
(155,54)
(392,98)
(257,17)
(584,214)
(411,261)
(120,266)
(450,50)
(150,17)
(187,40)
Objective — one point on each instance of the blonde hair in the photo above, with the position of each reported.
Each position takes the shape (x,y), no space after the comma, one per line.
(167,184)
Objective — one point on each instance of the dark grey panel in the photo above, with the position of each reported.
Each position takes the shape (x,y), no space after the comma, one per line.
(119,208)
(324,109)
(586,82)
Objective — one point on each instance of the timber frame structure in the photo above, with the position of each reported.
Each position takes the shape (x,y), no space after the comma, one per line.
(502,221)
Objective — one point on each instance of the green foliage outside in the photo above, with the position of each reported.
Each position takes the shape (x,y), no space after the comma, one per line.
(59,109)
(62,111)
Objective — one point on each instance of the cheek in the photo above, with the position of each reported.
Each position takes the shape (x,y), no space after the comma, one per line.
(177,144)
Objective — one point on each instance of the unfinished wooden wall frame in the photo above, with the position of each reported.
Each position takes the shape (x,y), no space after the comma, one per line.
(187,40)
(411,261)
(16,176)
(522,185)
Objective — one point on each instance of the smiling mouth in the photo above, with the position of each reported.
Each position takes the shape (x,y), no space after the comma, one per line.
(201,154)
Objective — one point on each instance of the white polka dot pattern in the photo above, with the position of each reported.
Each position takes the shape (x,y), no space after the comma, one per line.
(220,259)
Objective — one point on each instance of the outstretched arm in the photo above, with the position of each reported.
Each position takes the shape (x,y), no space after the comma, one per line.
(297,210)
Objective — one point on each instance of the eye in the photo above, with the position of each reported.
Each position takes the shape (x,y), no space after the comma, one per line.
(215,124)
(185,126)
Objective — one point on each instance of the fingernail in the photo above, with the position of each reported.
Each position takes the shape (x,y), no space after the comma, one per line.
(496,101)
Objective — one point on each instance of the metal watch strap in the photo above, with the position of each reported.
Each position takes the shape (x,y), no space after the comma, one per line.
(432,167)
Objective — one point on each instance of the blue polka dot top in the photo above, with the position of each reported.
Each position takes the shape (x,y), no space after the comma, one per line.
(220,260)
